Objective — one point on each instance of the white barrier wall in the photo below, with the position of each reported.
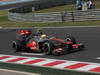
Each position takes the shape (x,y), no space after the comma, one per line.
(56,16)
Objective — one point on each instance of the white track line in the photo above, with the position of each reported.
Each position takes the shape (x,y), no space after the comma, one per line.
(1,27)
(98,58)
(51,27)
(32,54)
(18,72)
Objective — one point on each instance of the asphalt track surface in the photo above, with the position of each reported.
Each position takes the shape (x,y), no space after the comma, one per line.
(90,36)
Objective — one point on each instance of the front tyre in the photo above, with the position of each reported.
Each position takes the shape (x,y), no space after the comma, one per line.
(71,39)
(47,48)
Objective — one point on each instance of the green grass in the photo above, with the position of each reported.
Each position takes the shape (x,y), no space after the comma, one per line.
(3,12)
(57,9)
(97,4)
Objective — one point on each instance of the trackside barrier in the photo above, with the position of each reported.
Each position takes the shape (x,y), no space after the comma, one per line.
(63,16)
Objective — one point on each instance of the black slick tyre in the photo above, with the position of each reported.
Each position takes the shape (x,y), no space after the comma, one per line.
(71,38)
(16,45)
(47,48)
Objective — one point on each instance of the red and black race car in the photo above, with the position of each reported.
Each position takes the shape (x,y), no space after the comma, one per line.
(40,42)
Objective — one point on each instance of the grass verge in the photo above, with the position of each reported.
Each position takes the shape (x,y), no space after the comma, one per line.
(3,12)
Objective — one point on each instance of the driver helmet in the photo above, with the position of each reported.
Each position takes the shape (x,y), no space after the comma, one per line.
(68,39)
(43,36)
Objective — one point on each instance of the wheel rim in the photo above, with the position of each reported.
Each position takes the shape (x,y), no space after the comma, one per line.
(46,48)
(68,39)
(15,45)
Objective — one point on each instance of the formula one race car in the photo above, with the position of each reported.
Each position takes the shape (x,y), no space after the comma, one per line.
(41,43)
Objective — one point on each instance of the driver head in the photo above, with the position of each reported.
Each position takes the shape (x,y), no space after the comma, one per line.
(43,36)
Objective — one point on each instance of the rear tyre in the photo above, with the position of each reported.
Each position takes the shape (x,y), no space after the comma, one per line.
(16,45)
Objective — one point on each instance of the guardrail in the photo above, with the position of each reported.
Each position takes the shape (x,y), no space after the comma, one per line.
(63,16)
